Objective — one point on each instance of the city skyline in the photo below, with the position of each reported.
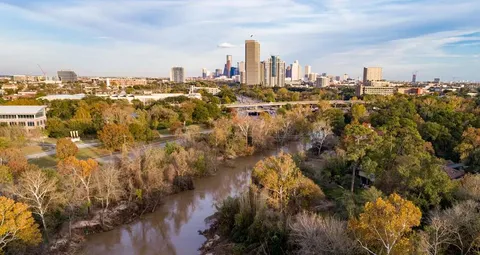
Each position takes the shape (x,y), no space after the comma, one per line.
(147,38)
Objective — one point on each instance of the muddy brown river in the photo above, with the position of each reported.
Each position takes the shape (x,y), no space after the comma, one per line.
(173,227)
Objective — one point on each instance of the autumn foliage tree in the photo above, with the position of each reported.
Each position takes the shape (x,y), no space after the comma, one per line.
(78,174)
(115,136)
(17,224)
(385,225)
(66,148)
(284,182)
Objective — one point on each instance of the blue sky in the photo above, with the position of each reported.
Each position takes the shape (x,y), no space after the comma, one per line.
(437,38)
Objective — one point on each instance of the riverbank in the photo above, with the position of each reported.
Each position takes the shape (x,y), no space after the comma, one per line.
(173,227)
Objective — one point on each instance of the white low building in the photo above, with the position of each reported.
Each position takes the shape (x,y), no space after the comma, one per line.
(26,116)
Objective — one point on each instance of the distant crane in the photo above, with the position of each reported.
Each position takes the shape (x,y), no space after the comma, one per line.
(44,74)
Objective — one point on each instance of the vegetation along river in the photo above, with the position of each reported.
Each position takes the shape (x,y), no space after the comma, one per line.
(173,227)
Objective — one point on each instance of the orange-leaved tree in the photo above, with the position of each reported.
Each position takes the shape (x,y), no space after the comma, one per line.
(115,136)
(79,177)
(17,224)
(66,148)
(385,225)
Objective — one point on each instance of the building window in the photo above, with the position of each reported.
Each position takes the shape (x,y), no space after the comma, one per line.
(22,124)
(31,124)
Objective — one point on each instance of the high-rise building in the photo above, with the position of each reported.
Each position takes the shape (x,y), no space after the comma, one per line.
(233,71)
(372,74)
(288,72)
(312,77)
(322,82)
(252,62)
(228,66)
(67,76)
(345,77)
(414,78)
(436,80)
(296,71)
(273,72)
(337,78)
(241,66)
(177,74)
(218,72)
(308,70)
(324,74)
(204,73)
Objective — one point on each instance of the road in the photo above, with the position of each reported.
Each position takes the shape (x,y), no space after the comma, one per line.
(54,151)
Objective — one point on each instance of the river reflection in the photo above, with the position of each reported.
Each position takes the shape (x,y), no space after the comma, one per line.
(173,228)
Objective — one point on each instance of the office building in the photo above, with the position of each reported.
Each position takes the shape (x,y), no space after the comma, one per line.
(337,78)
(177,75)
(375,90)
(252,62)
(28,117)
(67,76)
(296,71)
(204,73)
(228,66)
(273,72)
(288,72)
(233,71)
(372,74)
(218,72)
(436,80)
(308,71)
(322,82)
(312,77)
(241,66)
(345,77)
(414,78)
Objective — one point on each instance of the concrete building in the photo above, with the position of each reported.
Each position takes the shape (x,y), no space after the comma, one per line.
(296,71)
(204,73)
(67,76)
(322,82)
(375,90)
(252,62)
(273,72)
(19,78)
(345,77)
(213,90)
(63,97)
(308,71)
(372,74)
(218,72)
(436,80)
(28,117)
(288,72)
(177,75)
(312,77)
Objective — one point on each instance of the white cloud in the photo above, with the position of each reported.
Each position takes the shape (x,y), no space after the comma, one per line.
(226,45)
(147,37)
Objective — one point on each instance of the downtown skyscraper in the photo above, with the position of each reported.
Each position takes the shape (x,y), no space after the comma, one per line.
(228,66)
(273,72)
(252,62)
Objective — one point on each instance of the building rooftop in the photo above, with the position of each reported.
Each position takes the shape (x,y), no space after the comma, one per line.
(21,109)
(63,97)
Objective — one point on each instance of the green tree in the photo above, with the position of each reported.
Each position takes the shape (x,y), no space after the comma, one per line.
(359,112)
(56,128)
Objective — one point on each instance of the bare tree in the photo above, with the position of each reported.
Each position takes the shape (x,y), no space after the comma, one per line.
(314,234)
(107,185)
(321,130)
(437,235)
(39,191)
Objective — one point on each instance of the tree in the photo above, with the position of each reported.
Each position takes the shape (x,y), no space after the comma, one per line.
(470,187)
(17,223)
(79,178)
(359,112)
(14,159)
(282,180)
(56,128)
(107,184)
(357,140)
(384,226)
(66,148)
(39,191)
(315,234)
(469,146)
(321,130)
(115,136)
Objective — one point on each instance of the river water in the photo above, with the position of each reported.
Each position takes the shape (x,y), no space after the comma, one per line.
(173,227)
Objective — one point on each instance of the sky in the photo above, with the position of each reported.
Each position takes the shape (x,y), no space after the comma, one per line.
(436,38)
